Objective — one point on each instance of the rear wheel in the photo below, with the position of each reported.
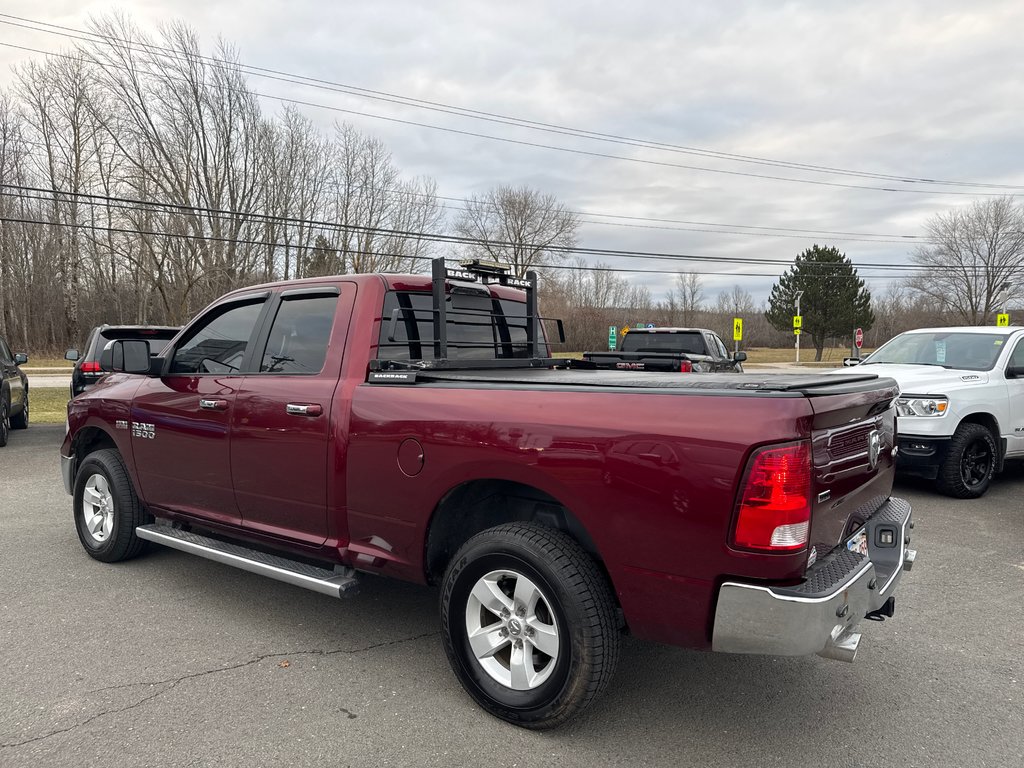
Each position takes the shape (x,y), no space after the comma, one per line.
(107,511)
(529,624)
(21,420)
(970,463)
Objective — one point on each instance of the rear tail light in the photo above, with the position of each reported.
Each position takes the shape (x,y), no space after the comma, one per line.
(91,367)
(774,511)
(685,366)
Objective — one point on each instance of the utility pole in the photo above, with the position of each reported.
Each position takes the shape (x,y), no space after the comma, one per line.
(798,295)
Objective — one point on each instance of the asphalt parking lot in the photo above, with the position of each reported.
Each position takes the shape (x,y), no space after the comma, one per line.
(177,661)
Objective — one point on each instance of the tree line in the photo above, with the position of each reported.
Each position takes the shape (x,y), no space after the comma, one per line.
(140,179)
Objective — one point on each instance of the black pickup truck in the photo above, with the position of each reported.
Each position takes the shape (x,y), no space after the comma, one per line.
(670,349)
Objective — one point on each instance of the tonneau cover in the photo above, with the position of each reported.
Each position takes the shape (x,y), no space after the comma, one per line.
(792,384)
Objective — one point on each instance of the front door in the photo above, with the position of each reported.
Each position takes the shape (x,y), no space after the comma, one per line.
(9,373)
(1014,432)
(180,423)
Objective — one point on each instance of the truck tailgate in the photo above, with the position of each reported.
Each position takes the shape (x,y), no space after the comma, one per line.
(853,448)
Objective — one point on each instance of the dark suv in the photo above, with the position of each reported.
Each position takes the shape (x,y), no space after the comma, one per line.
(13,392)
(87,364)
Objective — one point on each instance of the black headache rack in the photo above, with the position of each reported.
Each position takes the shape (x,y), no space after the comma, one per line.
(471,279)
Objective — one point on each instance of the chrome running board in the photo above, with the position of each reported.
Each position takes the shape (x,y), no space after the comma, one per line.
(333,583)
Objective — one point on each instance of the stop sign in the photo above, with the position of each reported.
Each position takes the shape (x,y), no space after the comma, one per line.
(858,337)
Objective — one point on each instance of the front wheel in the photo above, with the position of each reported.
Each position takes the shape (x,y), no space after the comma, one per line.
(529,624)
(21,420)
(970,463)
(5,422)
(107,511)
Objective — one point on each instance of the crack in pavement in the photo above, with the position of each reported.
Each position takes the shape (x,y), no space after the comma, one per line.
(171,683)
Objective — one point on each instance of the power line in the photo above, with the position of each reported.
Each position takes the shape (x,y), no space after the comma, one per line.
(539,145)
(427,236)
(793,232)
(240,241)
(348,89)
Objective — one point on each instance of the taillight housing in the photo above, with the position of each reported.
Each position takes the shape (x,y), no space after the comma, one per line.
(91,367)
(774,509)
(685,366)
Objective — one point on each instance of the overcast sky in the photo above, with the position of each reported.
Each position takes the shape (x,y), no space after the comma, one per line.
(915,89)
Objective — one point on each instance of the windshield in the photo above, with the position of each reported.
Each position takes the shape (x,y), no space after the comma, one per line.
(688,343)
(968,351)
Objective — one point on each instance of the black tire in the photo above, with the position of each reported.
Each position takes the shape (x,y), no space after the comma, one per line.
(5,421)
(572,597)
(107,510)
(21,420)
(970,463)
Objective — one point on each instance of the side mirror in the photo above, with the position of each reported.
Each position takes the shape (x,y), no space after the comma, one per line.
(848,361)
(20,358)
(72,355)
(1015,372)
(125,356)
(739,357)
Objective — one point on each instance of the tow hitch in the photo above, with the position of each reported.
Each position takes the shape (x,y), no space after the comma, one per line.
(885,612)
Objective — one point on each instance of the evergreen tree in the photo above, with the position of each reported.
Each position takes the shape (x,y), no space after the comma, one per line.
(834,299)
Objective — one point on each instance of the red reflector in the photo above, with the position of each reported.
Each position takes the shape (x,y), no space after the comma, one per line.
(685,366)
(91,367)
(775,510)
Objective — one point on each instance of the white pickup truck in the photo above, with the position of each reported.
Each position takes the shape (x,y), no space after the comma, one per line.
(961,408)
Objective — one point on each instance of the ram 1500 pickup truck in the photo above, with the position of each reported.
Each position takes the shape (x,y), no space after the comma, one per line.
(669,349)
(414,426)
(961,404)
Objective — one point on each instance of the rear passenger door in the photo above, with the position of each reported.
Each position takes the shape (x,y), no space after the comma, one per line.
(287,451)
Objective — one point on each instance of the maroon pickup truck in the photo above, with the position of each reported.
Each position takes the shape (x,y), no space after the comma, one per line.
(415,427)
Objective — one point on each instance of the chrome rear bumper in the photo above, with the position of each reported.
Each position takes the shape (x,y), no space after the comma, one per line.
(821,615)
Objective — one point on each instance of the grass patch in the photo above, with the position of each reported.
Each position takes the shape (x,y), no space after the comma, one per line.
(48,362)
(833,355)
(48,405)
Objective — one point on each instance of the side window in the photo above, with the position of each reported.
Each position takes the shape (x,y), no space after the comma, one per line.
(722,351)
(479,328)
(299,336)
(5,353)
(1017,358)
(218,345)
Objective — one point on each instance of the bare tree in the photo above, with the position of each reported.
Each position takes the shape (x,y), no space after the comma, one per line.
(589,298)
(144,180)
(13,154)
(379,216)
(976,259)
(57,94)
(686,299)
(736,302)
(296,193)
(518,226)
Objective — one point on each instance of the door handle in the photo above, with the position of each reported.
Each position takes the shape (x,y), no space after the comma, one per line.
(213,405)
(303,409)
